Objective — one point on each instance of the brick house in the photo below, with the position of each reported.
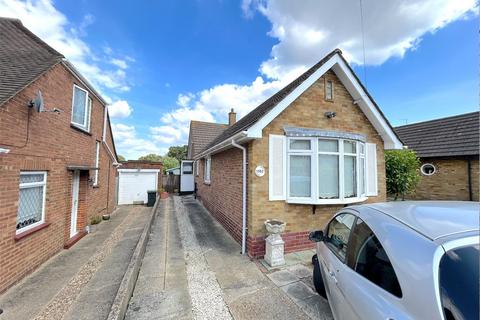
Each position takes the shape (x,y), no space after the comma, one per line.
(306,152)
(57,168)
(448,149)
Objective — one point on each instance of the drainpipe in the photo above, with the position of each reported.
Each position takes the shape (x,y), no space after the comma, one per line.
(244,194)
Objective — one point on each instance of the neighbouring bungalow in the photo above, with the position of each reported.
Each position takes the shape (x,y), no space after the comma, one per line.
(314,147)
(448,149)
(57,156)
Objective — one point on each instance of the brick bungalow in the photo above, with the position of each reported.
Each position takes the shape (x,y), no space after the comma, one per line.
(57,168)
(448,149)
(306,152)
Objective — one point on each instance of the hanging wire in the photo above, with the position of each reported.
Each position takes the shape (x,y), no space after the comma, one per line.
(363,44)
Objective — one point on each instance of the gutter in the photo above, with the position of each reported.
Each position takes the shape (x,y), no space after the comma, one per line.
(244,194)
(240,136)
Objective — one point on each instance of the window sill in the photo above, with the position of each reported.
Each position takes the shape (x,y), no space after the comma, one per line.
(206,183)
(74,126)
(28,232)
(327,201)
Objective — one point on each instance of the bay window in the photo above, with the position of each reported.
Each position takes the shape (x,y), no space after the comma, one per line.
(325,170)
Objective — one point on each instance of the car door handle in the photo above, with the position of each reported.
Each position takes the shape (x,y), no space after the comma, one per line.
(332,275)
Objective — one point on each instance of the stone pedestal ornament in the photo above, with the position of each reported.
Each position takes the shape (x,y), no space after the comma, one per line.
(274,244)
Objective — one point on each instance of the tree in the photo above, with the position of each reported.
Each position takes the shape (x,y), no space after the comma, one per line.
(151,157)
(121,158)
(402,168)
(169,162)
(178,152)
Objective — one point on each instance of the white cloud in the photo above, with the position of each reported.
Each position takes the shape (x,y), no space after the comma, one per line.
(119,63)
(184,99)
(309,31)
(130,145)
(119,109)
(52,26)
(306,33)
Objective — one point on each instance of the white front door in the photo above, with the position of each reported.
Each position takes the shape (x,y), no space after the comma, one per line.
(75,189)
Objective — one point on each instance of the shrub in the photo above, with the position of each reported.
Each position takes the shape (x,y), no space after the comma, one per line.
(95,220)
(402,168)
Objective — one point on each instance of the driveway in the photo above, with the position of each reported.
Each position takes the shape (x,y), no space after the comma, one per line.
(193,269)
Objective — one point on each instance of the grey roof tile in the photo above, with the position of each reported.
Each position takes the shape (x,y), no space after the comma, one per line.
(201,134)
(452,136)
(23,57)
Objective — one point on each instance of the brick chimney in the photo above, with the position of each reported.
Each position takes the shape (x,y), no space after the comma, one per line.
(232,118)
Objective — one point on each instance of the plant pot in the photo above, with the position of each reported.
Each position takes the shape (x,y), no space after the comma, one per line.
(164,195)
(275,226)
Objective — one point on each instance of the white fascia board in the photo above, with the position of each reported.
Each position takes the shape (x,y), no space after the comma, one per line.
(239,137)
(337,64)
(138,170)
(367,106)
(255,131)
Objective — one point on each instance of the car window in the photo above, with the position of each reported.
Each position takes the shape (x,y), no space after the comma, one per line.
(459,279)
(368,258)
(339,232)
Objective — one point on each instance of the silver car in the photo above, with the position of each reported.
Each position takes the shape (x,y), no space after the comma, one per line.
(401,260)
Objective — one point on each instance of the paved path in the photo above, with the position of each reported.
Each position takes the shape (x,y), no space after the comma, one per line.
(161,291)
(80,283)
(210,279)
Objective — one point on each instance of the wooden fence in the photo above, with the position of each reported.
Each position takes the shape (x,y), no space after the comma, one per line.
(171,183)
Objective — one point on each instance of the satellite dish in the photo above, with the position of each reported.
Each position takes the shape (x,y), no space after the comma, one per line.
(37,103)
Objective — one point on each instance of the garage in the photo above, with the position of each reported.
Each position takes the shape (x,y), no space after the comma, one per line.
(133,185)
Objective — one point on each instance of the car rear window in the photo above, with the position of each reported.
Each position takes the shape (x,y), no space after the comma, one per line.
(459,283)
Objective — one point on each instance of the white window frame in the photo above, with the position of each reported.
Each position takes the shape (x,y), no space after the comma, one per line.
(329,81)
(428,174)
(97,162)
(33,185)
(313,153)
(84,126)
(197,168)
(207,170)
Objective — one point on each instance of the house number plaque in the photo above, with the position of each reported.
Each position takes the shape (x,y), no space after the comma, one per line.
(259,171)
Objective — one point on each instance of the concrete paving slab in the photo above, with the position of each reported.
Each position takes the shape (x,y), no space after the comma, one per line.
(28,297)
(300,270)
(282,277)
(298,291)
(316,308)
(161,290)
(265,304)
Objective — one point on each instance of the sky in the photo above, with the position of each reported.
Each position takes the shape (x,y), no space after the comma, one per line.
(160,64)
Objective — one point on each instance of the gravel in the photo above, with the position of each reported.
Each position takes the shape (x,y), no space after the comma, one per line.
(205,292)
(59,305)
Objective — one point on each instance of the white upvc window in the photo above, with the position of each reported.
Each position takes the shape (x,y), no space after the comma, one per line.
(329,90)
(31,203)
(325,170)
(208,169)
(197,168)
(97,162)
(81,108)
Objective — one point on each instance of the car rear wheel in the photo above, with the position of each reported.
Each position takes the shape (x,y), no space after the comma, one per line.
(317,277)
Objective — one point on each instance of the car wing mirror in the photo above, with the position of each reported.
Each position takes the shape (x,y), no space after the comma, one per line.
(316,236)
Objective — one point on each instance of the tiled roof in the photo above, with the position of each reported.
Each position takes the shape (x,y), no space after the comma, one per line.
(256,114)
(452,136)
(23,57)
(201,134)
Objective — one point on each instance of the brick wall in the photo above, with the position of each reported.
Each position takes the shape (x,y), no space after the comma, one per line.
(223,196)
(450,180)
(144,164)
(306,111)
(50,144)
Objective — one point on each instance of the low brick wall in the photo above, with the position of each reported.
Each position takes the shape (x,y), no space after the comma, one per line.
(294,241)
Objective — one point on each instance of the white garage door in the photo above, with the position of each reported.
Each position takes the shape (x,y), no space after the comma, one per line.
(133,185)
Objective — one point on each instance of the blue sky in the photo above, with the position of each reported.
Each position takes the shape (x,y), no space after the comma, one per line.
(161,64)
